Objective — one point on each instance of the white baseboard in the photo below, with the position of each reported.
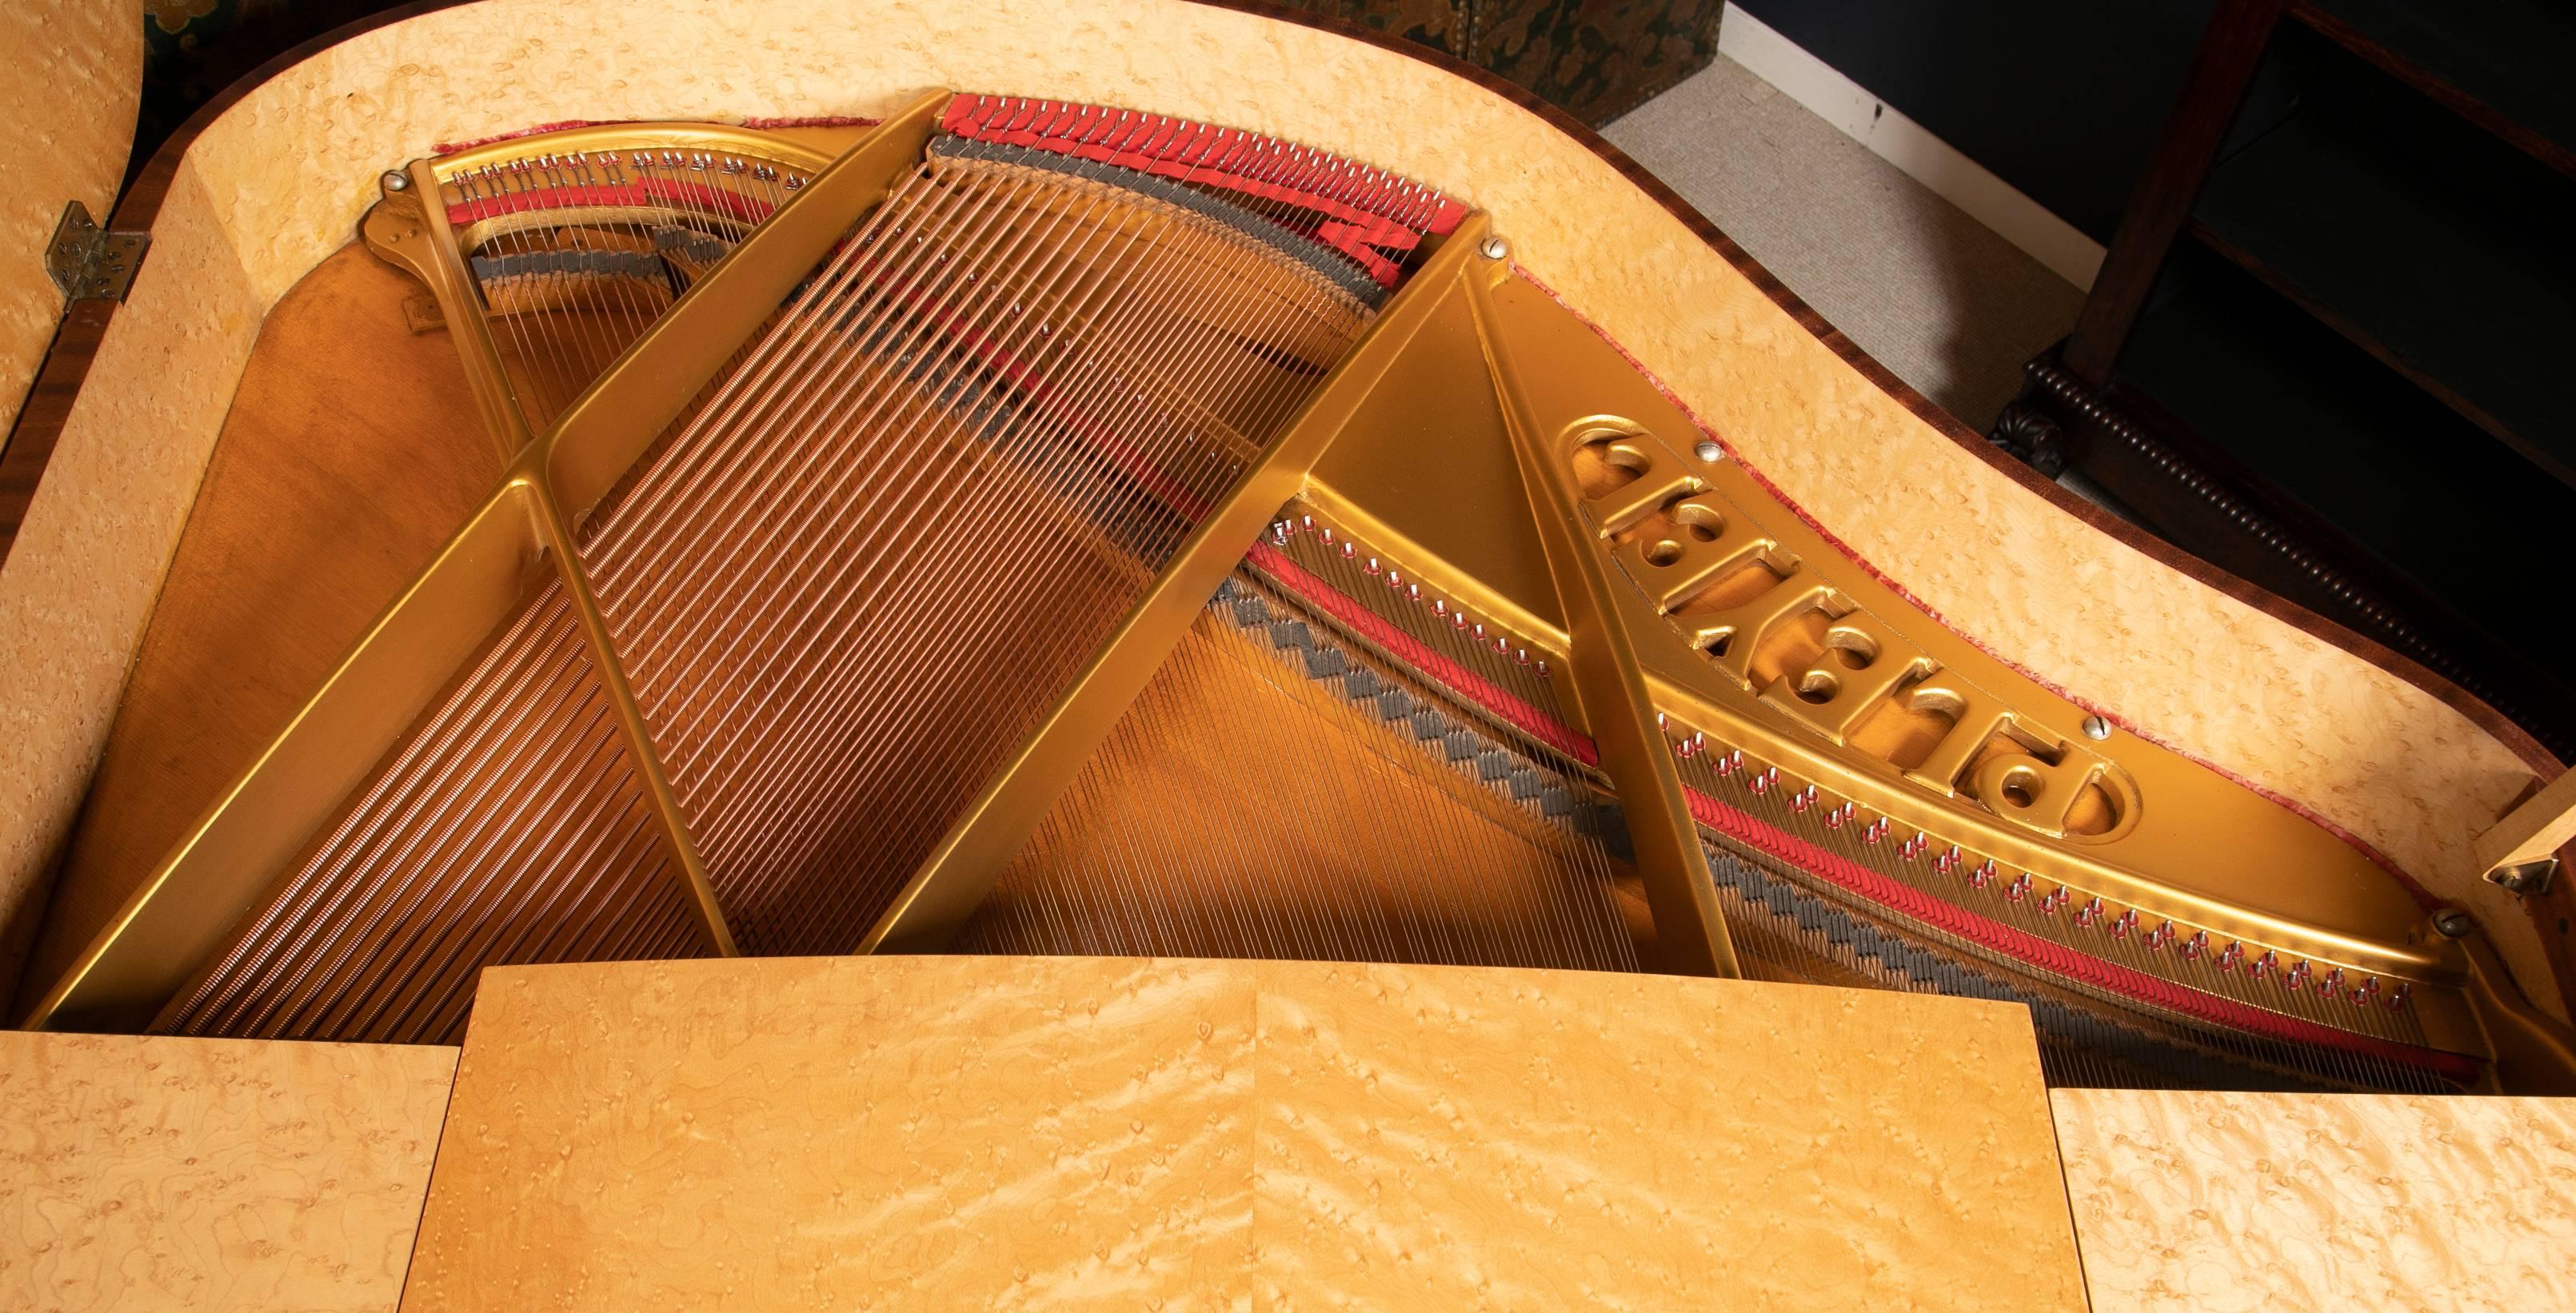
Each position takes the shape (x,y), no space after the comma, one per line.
(1901,141)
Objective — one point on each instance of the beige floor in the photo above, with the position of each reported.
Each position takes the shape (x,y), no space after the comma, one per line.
(1934,295)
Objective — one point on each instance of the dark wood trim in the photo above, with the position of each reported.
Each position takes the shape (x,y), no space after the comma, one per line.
(2503,126)
(2230,48)
(31,438)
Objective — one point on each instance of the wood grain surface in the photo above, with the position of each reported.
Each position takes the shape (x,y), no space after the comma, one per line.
(349,456)
(2221,1202)
(75,77)
(1135,1133)
(283,174)
(140,1174)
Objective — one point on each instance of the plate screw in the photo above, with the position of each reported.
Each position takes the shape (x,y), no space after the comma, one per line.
(2453,923)
(2096,728)
(1493,248)
(395,180)
(1708,451)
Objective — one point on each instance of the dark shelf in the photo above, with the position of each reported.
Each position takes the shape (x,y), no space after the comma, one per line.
(2399,237)
(2501,64)
(2352,453)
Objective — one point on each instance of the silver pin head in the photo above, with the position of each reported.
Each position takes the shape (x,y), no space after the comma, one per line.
(395,180)
(1493,248)
(2096,728)
(1708,451)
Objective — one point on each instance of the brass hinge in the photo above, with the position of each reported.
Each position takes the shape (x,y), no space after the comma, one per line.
(89,262)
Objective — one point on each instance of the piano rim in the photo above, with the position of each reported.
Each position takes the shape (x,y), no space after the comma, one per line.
(45,421)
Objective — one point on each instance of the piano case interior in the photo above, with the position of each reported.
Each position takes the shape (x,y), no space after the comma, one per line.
(1063,497)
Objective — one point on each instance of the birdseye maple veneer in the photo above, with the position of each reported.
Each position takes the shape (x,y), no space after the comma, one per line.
(936,1132)
(582,482)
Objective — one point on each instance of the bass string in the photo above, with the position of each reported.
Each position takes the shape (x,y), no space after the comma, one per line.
(1039,686)
(910,611)
(476,836)
(261,935)
(351,939)
(364,882)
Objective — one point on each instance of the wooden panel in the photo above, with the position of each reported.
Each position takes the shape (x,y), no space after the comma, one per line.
(350,454)
(1438,1138)
(846,1132)
(964,1132)
(88,563)
(2122,631)
(75,77)
(2215,1203)
(146,1174)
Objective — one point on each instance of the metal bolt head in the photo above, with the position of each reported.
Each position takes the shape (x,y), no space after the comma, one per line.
(2452,923)
(395,180)
(1708,451)
(1493,248)
(2526,877)
(2096,728)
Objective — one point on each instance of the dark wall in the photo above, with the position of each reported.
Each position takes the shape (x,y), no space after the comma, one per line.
(2060,98)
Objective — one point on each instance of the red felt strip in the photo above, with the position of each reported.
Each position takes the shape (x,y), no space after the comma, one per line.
(1372,216)
(1883,890)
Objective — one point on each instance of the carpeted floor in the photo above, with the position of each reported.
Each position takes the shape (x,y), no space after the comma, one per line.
(1934,295)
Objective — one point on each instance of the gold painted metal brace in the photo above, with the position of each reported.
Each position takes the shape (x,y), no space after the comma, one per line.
(889,535)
